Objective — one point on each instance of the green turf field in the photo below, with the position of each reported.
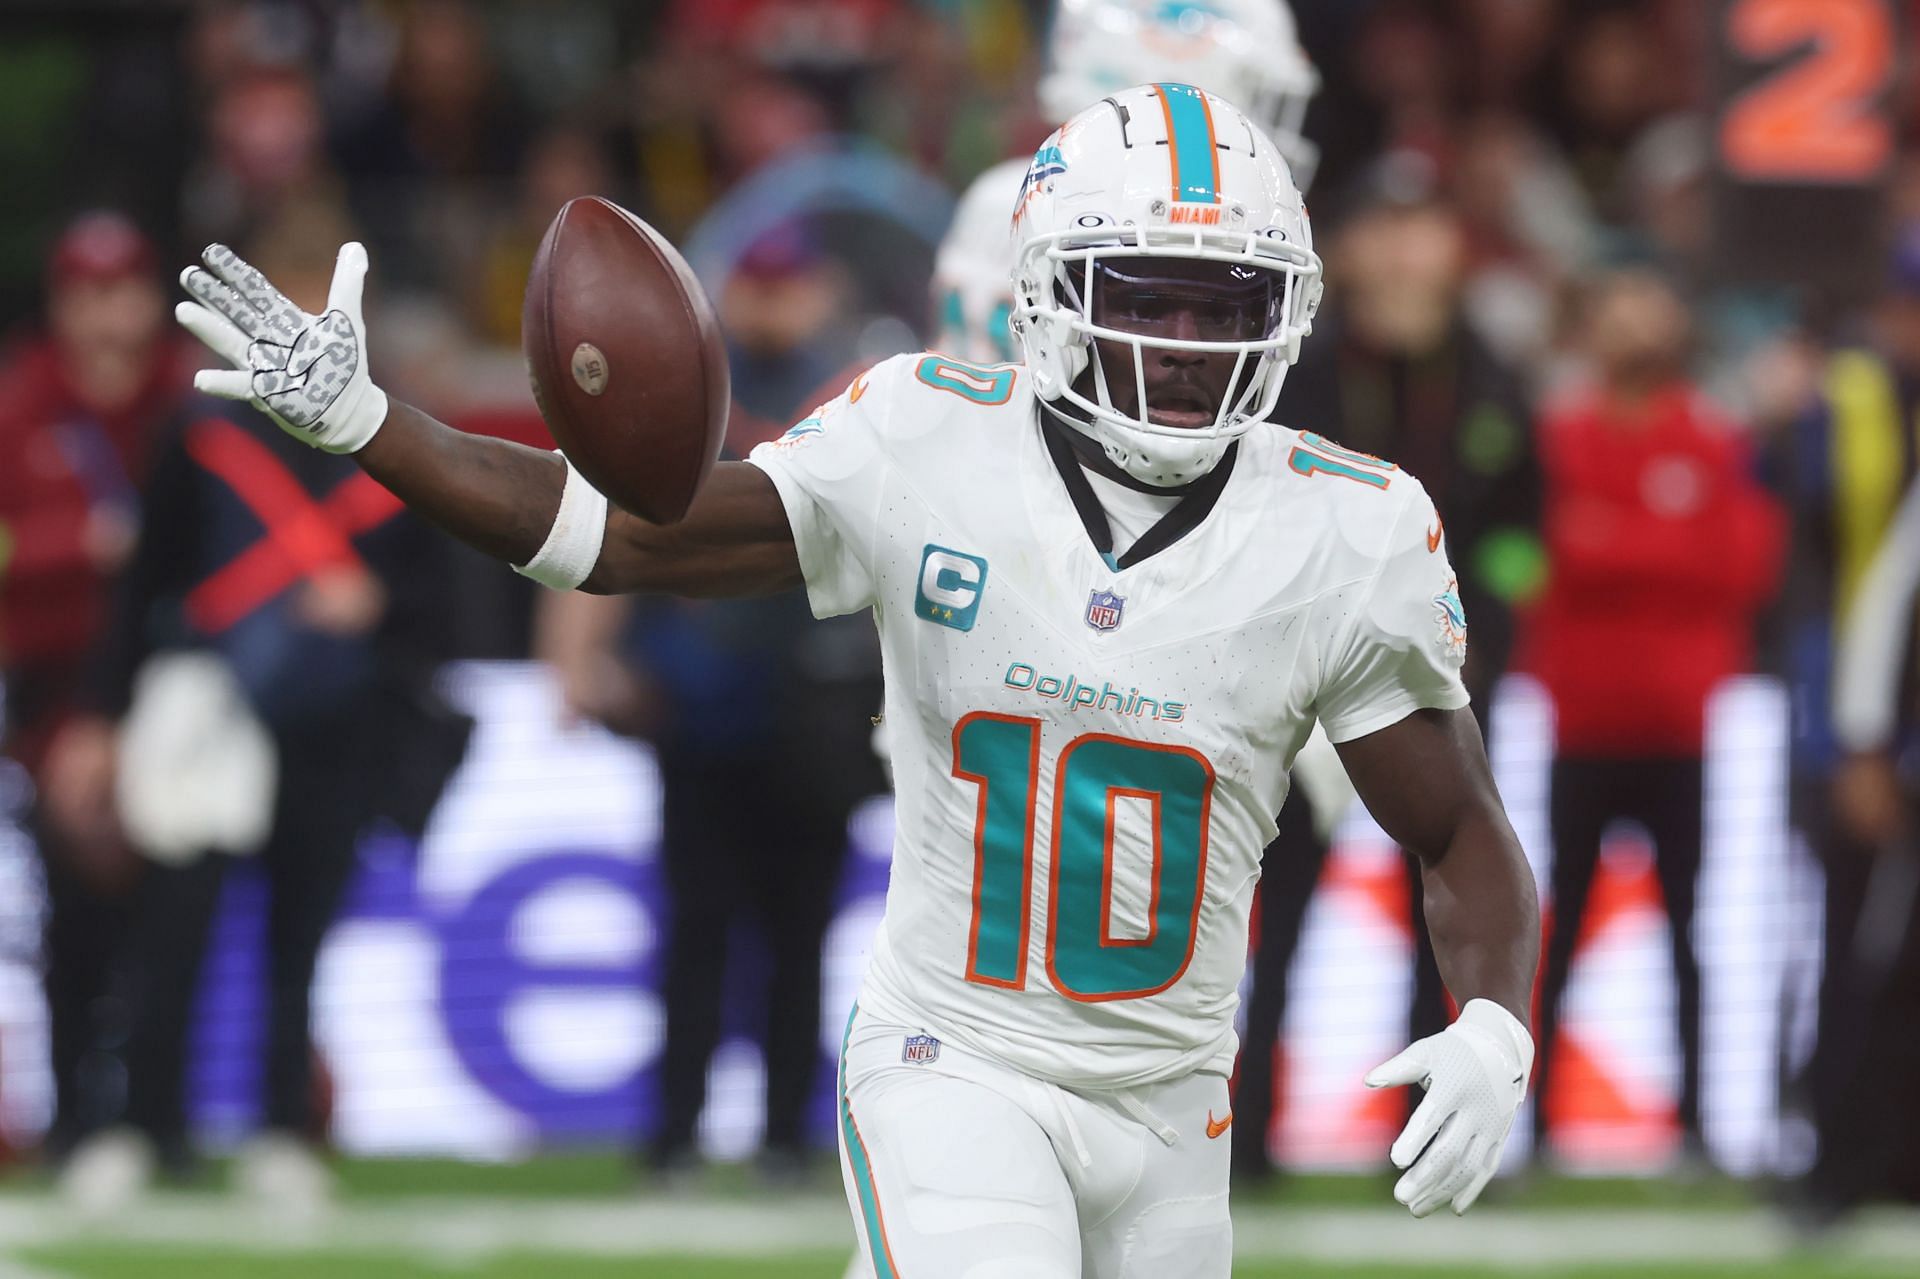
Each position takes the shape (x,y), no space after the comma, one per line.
(99,1263)
(586,1217)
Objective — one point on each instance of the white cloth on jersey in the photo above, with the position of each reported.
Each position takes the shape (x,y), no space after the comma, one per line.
(1093,933)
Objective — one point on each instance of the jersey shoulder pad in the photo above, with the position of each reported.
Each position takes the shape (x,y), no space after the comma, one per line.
(912,397)
(859,408)
(1363,501)
(926,382)
(943,381)
(1313,463)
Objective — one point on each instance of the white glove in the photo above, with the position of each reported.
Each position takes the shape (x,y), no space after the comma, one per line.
(1475,1073)
(307,372)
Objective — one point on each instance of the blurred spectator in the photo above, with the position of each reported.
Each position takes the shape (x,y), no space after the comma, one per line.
(1751,356)
(733,694)
(444,143)
(784,309)
(1290,867)
(319,598)
(1394,368)
(830,47)
(80,408)
(1868,1142)
(1662,549)
(1507,42)
(1609,79)
(264,154)
(1665,192)
(1392,90)
(1529,228)
(562,164)
(1845,464)
(758,720)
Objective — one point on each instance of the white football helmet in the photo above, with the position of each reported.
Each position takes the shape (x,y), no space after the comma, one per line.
(970,296)
(1246,51)
(1155,174)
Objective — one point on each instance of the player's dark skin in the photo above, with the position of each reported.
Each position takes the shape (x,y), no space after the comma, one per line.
(1425,779)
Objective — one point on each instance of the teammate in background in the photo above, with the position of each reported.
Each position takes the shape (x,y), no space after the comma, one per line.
(1112,602)
(1246,51)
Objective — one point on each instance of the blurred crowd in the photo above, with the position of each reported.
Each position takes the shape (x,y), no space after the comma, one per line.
(1657,472)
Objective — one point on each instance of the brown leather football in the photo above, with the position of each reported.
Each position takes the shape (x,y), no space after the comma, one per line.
(626,358)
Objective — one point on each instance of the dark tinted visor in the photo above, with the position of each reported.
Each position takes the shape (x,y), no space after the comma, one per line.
(1188,299)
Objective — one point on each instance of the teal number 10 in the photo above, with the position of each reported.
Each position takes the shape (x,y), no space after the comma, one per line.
(1001,755)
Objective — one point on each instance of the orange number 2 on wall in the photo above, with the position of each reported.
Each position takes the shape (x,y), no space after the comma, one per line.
(1815,119)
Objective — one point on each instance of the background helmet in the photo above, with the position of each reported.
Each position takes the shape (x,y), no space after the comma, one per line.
(972,303)
(1246,51)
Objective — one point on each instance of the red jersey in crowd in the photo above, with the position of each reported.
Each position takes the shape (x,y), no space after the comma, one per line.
(1661,548)
(65,468)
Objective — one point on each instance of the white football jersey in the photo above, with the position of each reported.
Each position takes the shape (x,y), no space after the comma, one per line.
(1088,760)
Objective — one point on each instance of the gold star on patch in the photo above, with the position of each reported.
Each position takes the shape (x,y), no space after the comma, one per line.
(949,616)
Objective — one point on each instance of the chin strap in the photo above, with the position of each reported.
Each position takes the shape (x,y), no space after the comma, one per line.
(1196,503)
(1093,454)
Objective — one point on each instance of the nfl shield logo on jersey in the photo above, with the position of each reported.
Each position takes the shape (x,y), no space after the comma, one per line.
(1103,610)
(918,1050)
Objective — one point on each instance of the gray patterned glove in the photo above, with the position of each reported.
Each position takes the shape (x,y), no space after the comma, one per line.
(307,372)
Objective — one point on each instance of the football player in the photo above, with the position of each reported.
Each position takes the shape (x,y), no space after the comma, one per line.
(1112,600)
(1246,51)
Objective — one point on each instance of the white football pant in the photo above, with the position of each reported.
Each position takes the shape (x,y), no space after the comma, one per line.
(959,1167)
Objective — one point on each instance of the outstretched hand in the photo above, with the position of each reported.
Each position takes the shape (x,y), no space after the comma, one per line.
(308,372)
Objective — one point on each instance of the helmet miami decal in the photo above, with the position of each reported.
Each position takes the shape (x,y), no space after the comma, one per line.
(1195,214)
(1192,159)
(968,381)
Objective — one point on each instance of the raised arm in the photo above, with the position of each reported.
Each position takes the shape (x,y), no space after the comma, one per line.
(522,505)
(501,498)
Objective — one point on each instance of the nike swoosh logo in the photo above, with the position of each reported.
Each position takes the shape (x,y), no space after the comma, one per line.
(1216,1127)
(858,389)
(1434,533)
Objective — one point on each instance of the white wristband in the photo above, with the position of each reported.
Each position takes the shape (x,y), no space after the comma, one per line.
(572,547)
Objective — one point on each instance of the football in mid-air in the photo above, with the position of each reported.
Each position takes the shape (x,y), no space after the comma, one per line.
(626,357)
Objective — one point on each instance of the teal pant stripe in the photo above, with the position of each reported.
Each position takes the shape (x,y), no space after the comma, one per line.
(1192,143)
(862,1173)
